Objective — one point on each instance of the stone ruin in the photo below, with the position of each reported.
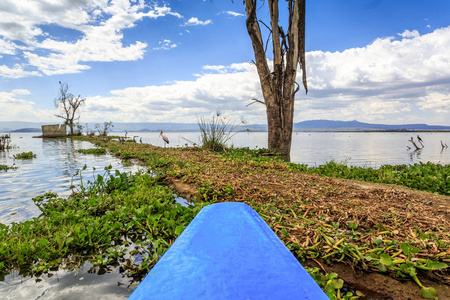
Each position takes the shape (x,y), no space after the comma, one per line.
(53,130)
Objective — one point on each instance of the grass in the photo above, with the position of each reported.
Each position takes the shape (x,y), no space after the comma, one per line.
(25,155)
(94,151)
(216,132)
(6,168)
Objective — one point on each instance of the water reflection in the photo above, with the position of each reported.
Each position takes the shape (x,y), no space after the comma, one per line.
(80,284)
(51,171)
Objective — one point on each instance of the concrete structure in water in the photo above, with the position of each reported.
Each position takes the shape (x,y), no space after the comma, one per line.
(53,130)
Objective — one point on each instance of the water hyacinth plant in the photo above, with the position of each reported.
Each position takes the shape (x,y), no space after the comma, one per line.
(6,168)
(107,222)
(94,151)
(25,155)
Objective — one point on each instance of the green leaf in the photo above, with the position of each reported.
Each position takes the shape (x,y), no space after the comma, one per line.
(90,230)
(179,230)
(436,265)
(43,242)
(377,241)
(352,225)
(69,240)
(406,248)
(429,293)
(385,260)
(382,267)
(338,284)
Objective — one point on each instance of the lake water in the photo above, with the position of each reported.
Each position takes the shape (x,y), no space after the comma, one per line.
(57,161)
(355,148)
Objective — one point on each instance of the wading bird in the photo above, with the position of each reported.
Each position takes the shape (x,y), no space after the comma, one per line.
(165,139)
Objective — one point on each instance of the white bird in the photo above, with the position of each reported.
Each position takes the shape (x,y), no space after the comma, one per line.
(165,139)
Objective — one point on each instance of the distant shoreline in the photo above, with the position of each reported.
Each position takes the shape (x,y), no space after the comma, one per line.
(34,130)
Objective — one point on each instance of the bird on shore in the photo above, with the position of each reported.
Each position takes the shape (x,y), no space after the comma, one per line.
(165,138)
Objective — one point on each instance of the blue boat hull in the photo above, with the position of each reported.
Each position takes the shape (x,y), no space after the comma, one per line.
(228,252)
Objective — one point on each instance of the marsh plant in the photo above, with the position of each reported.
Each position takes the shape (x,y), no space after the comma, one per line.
(5,141)
(25,155)
(107,222)
(94,151)
(6,168)
(217,131)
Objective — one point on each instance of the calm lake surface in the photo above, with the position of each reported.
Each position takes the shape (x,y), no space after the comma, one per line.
(57,162)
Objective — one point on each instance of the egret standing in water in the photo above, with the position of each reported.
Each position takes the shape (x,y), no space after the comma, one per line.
(165,139)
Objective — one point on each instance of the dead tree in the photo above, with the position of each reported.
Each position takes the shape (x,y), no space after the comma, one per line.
(412,141)
(69,105)
(278,85)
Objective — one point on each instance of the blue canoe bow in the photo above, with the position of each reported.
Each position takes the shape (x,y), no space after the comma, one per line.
(228,252)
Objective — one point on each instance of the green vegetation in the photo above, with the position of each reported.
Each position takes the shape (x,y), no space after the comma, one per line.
(95,151)
(108,222)
(422,176)
(399,234)
(6,168)
(216,132)
(375,230)
(25,155)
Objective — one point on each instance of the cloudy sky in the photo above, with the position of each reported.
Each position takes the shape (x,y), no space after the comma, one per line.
(377,61)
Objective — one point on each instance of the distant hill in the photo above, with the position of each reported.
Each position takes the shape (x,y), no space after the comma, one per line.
(313,125)
(28,130)
(323,125)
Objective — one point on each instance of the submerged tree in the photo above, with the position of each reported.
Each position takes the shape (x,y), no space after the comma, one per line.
(69,104)
(278,85)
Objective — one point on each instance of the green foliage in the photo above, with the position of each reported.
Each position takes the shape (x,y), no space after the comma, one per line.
(216,132)
(25,155)
(6,168)
(422,176)
(332,285)
(95,151)
(97,223)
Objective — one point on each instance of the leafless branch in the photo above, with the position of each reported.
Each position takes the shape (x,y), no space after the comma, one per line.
(256,101)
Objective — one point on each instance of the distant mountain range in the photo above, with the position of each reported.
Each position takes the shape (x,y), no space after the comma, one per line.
(314,125)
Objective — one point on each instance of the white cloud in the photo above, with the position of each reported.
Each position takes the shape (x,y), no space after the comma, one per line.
(181,101)
(165,45)
(195,21)
(99,25)
(388,81)
(17,71)
(436,101)
(14,108)
(409,34)
(232,13)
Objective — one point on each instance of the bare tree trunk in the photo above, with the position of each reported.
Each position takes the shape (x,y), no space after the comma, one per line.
(278,86)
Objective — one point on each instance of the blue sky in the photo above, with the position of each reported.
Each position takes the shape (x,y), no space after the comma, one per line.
(375,61)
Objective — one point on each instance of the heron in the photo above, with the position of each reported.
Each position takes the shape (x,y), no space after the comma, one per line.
(165,139)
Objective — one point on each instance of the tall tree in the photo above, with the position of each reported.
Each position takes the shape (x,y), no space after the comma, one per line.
(69,105)
(278,85)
